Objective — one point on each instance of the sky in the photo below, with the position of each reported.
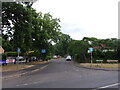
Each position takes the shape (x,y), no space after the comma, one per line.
(83,18)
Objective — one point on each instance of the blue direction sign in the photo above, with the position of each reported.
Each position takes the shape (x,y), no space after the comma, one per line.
(18,50)
(43,51)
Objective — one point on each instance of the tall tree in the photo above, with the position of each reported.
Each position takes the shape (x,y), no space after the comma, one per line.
(62,46)
(78,49)
(27,29)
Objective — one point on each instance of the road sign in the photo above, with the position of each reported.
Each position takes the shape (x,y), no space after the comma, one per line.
(91,49)
(30,51)
(88,51)
(99,60)
(18,50)
(43,51)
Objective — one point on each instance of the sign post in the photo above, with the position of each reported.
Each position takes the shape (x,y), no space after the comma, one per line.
(43,51)
(91,50)
(18,50)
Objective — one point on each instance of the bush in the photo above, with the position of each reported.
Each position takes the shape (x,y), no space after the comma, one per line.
(3,56)
(48,57)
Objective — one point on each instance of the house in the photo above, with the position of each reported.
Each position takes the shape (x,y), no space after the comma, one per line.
(1,50)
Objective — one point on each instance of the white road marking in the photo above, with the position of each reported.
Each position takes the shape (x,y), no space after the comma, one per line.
(43,67)
(35,70)
(25,84)
(109,86)
(33,82)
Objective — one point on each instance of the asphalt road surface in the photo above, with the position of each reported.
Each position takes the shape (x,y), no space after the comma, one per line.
(64,74)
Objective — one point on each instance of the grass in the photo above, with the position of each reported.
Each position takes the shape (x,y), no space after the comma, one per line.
(37,62)
(15,67)
(103,65)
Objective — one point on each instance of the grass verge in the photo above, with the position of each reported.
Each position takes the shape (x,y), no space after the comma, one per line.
(15,67)
(38,62)
(103,65)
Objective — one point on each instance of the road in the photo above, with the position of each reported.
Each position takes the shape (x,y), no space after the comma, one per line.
(64,74)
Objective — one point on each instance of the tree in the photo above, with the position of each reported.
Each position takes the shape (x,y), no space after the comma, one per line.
(46,30)
(62,46)
(78,49)
(16,23)
(27,29)
(118,50)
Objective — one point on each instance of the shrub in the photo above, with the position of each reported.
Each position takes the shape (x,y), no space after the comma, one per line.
(3,56)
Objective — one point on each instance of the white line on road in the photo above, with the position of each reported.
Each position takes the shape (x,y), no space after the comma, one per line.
(109,86)
(33,71)
(43,67)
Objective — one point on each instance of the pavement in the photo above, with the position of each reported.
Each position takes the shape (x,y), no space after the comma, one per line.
(63,74)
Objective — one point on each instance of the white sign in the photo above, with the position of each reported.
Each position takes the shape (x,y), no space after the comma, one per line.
(99,60)
(91,49)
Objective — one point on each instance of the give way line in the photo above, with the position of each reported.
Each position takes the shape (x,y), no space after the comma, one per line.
(107,86)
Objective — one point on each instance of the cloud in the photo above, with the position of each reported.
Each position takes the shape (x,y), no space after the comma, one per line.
(84,18)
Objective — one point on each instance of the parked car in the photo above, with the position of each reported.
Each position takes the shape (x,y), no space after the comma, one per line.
(3,62)
(54,56)
(20,59)
(33,58)
(10,59)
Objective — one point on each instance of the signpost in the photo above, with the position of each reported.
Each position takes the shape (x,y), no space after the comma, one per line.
(90,51)
(43,51)
(18,50)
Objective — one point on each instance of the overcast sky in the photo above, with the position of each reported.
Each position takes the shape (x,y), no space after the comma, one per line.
(83,18)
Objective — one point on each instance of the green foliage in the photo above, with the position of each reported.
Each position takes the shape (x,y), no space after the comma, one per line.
(48,57)
(118,50)
(62,46)
(24,28)
(78,49)
(3,56)
(27,29)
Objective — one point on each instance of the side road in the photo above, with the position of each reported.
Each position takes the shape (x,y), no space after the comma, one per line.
(19,73)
